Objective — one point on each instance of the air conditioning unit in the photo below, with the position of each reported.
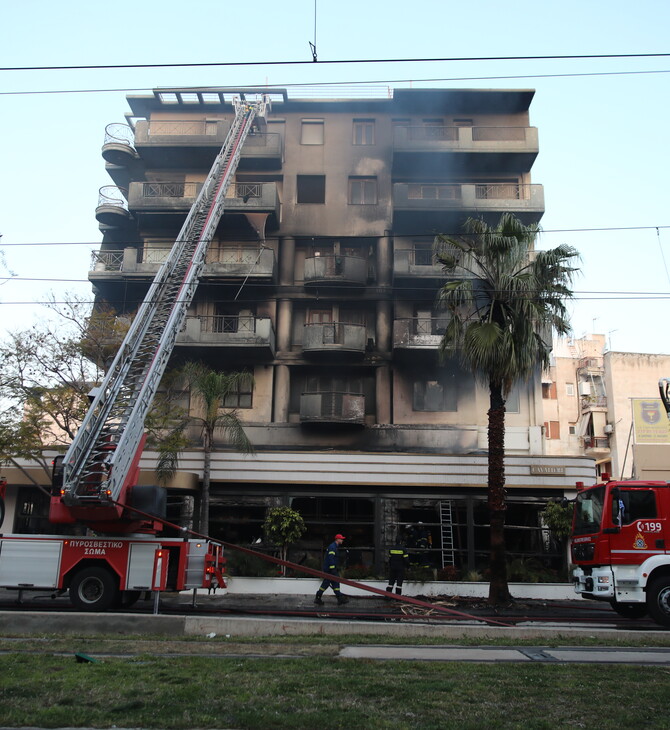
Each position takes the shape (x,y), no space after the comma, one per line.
(585,388)
(609,428)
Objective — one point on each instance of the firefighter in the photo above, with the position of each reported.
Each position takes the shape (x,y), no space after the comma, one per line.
(424,542)
(331,564)
(398,561)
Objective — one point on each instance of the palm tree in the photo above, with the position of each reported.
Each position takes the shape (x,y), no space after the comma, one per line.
(504,300)
(212,391)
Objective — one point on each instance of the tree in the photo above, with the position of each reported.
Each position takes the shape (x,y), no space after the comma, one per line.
(504,300)
(46,374)
(283,526)
(211,391)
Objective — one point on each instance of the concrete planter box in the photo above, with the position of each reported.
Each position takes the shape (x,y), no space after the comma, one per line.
(238,585)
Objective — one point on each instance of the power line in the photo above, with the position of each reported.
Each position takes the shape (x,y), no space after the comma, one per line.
(254,239)
(447,59)
(353,83)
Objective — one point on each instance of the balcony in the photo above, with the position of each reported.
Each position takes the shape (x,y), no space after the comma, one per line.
(112,209)
(197,142)
(442,205)
(246,335)
(222,262)
(417,264)
(332,407)
(118,149)
(428,149)
(335,270)
(593,403)
(164,199)
(418,333)
(597,447)
(334,338)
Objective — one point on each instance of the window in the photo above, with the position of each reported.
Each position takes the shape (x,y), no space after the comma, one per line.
(549,391)
(435,394)
(552,430)
(572,430)
(311,189)
(241,397)
(364,131)
(634,504)
(311,131)
(423,254)
(570,389)
(463,123)
(362,190)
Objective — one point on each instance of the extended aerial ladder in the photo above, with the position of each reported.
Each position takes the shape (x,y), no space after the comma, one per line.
(101,464)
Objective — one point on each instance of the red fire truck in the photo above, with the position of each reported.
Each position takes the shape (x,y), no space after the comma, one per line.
(95,484)
(621,543)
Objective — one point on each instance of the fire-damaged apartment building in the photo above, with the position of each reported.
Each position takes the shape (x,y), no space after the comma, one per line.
(321,282)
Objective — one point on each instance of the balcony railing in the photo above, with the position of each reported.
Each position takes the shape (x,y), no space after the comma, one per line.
(112,209)
(596,443)
(332,407)
(118,147)
(205,137)
(419,332)
(118,133)
(221,261)
(590,402)
(336,269)
(416,262)
(334,336)
(106,260)
(424,197)
(179,195)
(230,330)
(457,138)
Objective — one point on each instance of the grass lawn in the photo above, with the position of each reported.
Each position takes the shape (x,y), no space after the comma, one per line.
(314,690)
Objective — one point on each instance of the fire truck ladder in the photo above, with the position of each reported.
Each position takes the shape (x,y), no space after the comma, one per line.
(447,533)
(101,456)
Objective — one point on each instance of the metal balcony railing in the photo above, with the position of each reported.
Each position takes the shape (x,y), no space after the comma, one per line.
(112,196)
(170,189)
(502,191)
(593,401)
(596,442)
(106,260)
(117,133)
(166,128)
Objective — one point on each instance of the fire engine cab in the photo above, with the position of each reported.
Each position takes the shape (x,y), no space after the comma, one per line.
(621,543)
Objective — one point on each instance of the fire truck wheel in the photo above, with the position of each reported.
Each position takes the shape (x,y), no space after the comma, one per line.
(630,610)
(93,589)
(658,600)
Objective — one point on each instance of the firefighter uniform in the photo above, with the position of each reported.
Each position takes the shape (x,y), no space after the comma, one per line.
(331,563)
(398,560)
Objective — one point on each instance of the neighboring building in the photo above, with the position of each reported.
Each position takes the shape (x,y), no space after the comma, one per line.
(321,281)
(590,397)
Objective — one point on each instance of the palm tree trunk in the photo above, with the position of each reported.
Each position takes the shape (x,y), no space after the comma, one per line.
(498,588)
(206,479)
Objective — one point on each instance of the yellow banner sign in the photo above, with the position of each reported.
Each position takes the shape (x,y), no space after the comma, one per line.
(650,421)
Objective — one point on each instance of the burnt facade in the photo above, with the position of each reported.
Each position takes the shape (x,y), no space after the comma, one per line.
(321,281)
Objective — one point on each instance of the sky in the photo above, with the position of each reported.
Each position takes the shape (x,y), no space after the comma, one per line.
(603,123)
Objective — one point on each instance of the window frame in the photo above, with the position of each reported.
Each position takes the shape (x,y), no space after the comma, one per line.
(367,136)
(367,183)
